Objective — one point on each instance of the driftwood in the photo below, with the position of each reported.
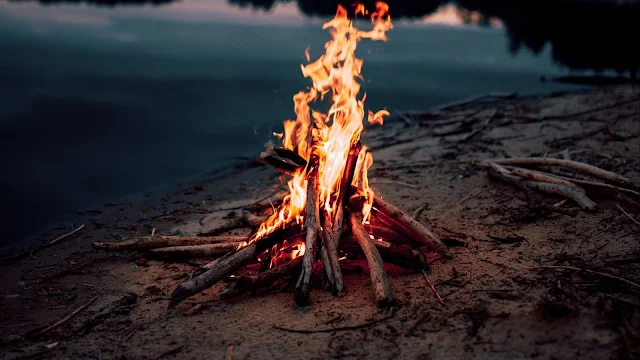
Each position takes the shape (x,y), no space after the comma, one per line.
(578,166)
(577,195)
(206,250)
(312,223)
(542,177)
(379,279)
(411,228)
(153,242)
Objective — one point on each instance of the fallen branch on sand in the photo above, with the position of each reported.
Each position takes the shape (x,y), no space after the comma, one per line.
(568,187)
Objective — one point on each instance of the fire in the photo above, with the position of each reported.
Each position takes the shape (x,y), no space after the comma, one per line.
(335,76)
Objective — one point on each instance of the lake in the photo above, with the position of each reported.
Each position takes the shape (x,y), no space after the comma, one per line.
(100,103)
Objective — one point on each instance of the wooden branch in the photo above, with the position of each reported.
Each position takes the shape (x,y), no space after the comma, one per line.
(290,155)
(554,189)
(400,255)
(281,166)
(542,177)
(66,318)
(331,264)
(152,242)
(328,272)
(575,165)
(379,279)
(244,284)
(345,190)
(225,266)
(594,184)
(193,251)
(312,223)
(411,228)
(386,233)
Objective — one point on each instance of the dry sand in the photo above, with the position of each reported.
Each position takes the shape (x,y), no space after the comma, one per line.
(496,305)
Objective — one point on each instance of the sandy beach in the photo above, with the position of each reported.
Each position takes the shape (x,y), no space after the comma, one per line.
(499,302)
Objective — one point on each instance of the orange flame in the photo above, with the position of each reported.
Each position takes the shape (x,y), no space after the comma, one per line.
(336,73)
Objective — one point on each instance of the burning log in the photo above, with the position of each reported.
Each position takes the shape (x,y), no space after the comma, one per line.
(153,242)
(312,223)
(379,279)
(193,251)
(332,228)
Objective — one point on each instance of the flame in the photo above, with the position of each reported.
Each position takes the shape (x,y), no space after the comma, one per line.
(335,76)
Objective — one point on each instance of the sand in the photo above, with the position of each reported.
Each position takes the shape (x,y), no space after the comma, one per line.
(497,305)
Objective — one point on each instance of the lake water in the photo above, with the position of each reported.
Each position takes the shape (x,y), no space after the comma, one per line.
(100,103)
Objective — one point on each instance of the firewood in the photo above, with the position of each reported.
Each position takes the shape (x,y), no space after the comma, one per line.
(384,232)
(331,264)
(290,155)
(411,228)
(575,165)
(282,166)
(205,250)
(226,265)
(379,279)
(400,255)
(312,223)
(152,242)
(244,284)
(345,190)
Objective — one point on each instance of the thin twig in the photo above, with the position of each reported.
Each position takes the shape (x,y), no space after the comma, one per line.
(470,196)
(56,240)
(378,181)
(67,234)
(418,211)
(628,215)
(609,276)
(66,318)
(433,289)
(343,328)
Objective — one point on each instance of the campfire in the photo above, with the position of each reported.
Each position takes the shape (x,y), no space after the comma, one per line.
(330,210)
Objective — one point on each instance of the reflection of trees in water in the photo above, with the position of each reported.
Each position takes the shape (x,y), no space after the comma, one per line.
(587,35)
(583,34)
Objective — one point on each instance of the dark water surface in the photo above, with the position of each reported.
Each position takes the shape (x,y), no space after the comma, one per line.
(99,103)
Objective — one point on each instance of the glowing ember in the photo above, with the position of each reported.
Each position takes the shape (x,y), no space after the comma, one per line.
(329,135)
